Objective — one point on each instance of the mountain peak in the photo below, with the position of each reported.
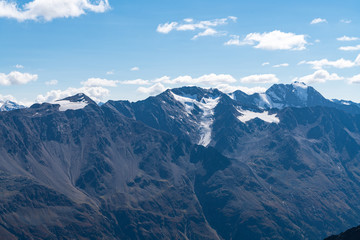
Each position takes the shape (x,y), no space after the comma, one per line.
(78,101)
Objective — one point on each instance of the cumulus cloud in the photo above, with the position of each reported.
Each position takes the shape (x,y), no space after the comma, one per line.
(320,76)
(211,79)
(275,40)
(340,63)
(350,48)
(16,78)
(226,88)
(347,39)
(99,82)
(281,65)
(133,69)
(318,20)
(355,79)
(51,82)
(153,90)
(49,10)
(96,93)
(207,28)
(260,78)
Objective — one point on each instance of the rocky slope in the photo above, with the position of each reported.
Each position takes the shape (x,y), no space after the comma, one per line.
(190,163)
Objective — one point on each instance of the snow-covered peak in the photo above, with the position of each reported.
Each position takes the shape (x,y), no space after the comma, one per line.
(301,90)
(207,105)
(9,105)
(297,84)
(68,105)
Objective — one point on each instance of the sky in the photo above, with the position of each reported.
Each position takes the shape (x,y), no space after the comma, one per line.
(131,49)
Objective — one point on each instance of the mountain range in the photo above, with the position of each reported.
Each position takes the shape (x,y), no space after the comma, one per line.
(189,163)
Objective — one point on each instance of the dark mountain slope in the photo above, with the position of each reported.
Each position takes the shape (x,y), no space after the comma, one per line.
(351,234)
(93,173)
(302,162)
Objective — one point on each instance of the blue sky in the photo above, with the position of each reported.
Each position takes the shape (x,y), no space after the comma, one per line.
(133,49)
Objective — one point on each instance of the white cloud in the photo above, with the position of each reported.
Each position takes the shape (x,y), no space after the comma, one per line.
(318,20)
(110,72)
(48,10)
(276,40)
(235,41)
(136,82)
(207,32)
(340,63)
(4,98)
(281,65)
(355,79)
(260,78)
(265,64)
(166,27)
(51,82)
(99,82)
(135,69)
(206,27)
(17,78)
(350,48)
(211,79)
(320,76)
(347,39)
(347,21)
(19,66)
(153,90)
(96,93)
(226,88)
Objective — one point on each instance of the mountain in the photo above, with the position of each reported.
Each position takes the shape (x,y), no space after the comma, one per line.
(351,234)
(302,149)
(297,94)
(76,170)
(190,163)
(9,106)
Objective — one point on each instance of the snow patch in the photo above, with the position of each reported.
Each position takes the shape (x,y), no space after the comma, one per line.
(301,90)
(247,115)
(67,105)
(207,106)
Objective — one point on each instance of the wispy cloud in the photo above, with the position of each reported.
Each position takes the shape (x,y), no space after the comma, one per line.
(318,20)
(347,21)
(99,82)
(19,66)
(134,69)
(206,28)
(281,65)
(211,79)
(340,63)
(260,78)
(320,76)
(347,39)
(48,10)
(51,82)
(275,40)
(350,48)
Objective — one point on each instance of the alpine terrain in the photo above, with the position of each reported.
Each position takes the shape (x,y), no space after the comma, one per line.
(189,163)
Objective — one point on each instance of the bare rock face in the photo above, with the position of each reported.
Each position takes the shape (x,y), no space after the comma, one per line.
(190,163)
